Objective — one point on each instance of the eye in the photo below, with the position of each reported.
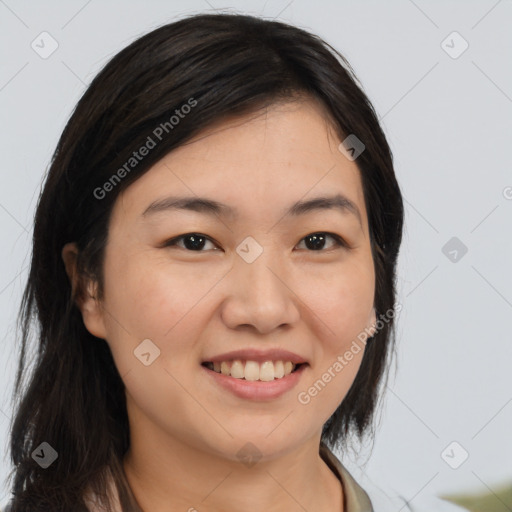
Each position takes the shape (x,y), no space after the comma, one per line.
(196,241)
(192,241)
(316,241)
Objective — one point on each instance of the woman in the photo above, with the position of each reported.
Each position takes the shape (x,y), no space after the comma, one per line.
(170,380)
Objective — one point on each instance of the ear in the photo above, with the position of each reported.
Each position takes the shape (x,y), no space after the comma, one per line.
(84,293)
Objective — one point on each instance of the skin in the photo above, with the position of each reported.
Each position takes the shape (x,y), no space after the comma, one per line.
(185,431)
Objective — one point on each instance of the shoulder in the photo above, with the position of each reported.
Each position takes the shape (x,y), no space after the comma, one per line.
(363,494)
(385,500)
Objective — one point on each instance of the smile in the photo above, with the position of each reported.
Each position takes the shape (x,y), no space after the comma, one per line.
(256,389)
(252,370)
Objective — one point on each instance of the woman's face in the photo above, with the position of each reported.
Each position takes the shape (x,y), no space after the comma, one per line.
(252,281)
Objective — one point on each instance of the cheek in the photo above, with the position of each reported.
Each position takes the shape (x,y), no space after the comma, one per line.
(329,383)
(339,300)
(155,300)
(342,306)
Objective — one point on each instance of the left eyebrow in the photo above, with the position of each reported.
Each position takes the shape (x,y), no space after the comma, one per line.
(214,208)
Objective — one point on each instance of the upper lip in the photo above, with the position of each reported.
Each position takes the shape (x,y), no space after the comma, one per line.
(258,355)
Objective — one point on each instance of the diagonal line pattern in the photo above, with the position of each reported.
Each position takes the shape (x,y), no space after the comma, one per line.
(198,403)
(501,409)
(422,216)
(283,9)
(83,83)
(412,88)
(484,218)
(422,280)
(409,501)
(126,373)
(485,15)
(13,218)
(411,411)
(286,491)
(215,9)
(424,14)
(492,492)
(488,282)
(13,13)
(102,306)
(6,415)
(75,15)
(12,280)
(491,80)
(14,76)
(217,486)
(280,423)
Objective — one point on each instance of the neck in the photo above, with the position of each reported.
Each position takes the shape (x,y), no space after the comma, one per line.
(166,475)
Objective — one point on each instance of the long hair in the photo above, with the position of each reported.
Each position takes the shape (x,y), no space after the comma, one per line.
(220,65)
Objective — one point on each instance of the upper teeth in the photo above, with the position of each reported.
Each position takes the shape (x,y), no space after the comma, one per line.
(252,370)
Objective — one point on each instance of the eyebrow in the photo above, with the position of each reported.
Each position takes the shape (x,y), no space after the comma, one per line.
(214,208)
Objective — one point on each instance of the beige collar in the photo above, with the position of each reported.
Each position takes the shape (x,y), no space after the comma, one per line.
(356,499)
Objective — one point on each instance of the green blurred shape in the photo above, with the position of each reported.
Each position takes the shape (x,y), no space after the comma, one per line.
(497,501)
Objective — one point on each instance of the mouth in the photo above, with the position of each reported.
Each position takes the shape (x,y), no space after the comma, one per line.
(248,370)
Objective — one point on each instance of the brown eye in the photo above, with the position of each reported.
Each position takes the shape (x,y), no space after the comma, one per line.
(196,242)
(191,242)
(316,241)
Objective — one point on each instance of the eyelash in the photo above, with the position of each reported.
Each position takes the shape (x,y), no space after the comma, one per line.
(339,241)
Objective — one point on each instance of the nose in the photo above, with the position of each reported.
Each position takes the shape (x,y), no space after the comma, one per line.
(258,296)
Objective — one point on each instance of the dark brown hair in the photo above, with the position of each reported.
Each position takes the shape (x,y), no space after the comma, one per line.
(228,65)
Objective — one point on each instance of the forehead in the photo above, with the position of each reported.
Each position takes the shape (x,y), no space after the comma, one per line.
(256,164)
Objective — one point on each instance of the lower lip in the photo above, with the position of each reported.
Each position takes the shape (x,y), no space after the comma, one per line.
(257,390)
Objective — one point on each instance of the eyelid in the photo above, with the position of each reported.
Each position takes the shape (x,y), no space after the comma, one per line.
(340,242)
(173,241)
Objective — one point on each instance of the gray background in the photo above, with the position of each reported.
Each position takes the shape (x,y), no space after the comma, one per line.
(448,122)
